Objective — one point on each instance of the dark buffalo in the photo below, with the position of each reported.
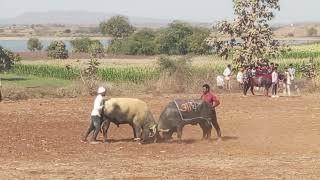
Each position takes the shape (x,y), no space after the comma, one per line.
(260,80)
(179,113)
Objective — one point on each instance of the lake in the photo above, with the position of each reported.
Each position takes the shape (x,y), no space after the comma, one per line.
(21,45)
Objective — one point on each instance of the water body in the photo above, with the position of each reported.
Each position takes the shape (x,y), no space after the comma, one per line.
(21,45)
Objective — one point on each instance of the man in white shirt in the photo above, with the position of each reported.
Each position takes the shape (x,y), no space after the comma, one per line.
(287,83)
(227,76)
(240,78)
(96,118)
(292,72)
(274,82)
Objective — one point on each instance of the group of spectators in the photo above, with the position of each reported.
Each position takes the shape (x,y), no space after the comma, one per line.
(259,70)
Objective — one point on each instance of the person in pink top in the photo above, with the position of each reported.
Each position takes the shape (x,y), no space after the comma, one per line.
(209,97)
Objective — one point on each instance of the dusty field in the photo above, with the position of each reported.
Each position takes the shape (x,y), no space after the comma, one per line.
(262,139)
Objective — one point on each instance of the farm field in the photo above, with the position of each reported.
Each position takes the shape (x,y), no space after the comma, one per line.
(262,139)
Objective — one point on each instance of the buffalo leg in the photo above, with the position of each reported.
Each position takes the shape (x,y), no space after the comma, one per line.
(137,132)
(134,131)
(206,131)
(179,132)
(105,126)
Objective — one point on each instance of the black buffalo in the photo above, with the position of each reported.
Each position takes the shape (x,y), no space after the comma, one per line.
(179,113)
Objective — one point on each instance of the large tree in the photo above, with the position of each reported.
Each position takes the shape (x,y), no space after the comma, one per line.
(117,27)
(249,37)
(174,39)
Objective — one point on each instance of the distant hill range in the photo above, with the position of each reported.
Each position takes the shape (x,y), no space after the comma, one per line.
(83,18)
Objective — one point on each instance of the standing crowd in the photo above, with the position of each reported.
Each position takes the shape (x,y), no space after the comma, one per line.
(246,72)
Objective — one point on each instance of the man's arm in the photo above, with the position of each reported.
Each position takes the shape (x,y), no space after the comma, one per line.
(215,102)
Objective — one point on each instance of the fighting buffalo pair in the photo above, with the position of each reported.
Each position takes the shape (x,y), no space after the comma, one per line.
(173,118)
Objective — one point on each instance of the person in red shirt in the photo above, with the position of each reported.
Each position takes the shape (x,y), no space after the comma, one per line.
(212,99)
(209,97)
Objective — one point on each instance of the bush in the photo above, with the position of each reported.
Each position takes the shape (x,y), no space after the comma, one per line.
(7,59)
(312,32)
(81,45)
(117,47)
(34,44)
(67,31)
(57,50)
(96,49)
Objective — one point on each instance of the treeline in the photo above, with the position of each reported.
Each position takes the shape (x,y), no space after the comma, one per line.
(177,39)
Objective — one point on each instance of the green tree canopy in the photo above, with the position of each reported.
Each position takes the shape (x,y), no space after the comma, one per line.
(174,39)
(117,27)
(248,37)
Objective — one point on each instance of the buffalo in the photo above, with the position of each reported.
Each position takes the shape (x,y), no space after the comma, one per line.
(181,112)
(130,111)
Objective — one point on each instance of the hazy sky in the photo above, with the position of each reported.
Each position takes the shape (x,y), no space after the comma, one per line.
(199,10)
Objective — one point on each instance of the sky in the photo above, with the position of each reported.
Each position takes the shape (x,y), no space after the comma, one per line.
(196,10)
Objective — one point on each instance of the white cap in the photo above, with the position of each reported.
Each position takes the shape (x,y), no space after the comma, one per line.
(101,90)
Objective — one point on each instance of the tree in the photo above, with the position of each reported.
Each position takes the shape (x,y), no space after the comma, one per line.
(34,44)
(197,43)
(312,32)
(174,39)
(249,37)
(117,27)
(81,45)
(142,42)
(67,31)
(57,50)
(96,49)
(7,60)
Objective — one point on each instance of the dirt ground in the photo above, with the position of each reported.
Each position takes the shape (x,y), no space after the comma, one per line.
(263,138)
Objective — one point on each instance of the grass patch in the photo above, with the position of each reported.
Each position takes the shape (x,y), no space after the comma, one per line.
(32,81)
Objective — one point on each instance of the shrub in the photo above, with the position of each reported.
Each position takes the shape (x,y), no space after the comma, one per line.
(57,50)
(34,44)
(81,45)
(7,59)
(312,32)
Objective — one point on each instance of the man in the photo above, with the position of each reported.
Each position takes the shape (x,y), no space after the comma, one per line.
(275,79)
(292,72)
(96,118)
(210,98)
(227,76)
(271,67)
(240,77)
(287,83)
